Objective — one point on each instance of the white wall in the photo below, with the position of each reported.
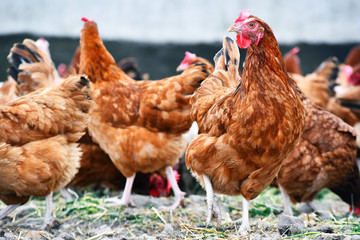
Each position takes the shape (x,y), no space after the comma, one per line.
(313,21)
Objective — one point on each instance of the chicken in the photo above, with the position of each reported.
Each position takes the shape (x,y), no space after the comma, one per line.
(326,154)
(247,127)
(38,135)
(191,58)
(292,61)
(139,124)
(324,158)
(160,186)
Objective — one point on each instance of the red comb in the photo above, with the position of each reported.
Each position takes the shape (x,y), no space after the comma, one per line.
(189,55)
(295,50)
(243,15)
(84,19)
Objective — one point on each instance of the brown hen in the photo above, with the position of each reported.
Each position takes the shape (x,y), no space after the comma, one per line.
(324,158)
(247,131)
(139,124)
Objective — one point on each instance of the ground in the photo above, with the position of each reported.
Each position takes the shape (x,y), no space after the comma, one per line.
(89,217)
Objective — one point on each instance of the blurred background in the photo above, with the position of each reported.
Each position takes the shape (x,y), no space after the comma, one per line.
(158,32)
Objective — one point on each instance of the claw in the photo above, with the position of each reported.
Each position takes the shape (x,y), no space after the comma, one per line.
(50,223)
(115,202)
(244,229)
(179,200)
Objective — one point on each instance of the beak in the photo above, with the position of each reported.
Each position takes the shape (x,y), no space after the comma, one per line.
(233,28)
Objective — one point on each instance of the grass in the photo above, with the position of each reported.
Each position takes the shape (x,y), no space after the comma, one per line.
(83,216)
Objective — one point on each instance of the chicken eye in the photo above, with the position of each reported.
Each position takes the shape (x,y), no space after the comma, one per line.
(252,25)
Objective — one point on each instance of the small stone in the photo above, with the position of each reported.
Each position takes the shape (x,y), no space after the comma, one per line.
(330,237)
(66,236)
(103,229)
(9,235)
(324,229)
(355,237)
(167,229)
(33,235)
(147,237)
(289,225)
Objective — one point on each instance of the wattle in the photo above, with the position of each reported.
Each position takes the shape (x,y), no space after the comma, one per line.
(243,41)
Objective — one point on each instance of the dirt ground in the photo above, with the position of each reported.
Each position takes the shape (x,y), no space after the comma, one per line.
(89,217)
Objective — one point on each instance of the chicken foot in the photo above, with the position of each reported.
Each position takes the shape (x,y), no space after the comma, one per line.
(126,197)
(179,195)
(286,202)
(213,205)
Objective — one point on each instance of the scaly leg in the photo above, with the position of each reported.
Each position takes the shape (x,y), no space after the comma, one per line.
(49,218)
(286,201)
(245,225)
(126,197)
(7,210)
(66,194)
(213,205)
(179,195)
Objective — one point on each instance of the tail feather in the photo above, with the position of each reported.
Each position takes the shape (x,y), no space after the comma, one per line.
(31,67)
(231,57)
(329,69)
(219,60)
(20,53)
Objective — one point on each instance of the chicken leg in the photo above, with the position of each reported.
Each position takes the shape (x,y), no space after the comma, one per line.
(7,210)
(213,205)
(286,202)
(126,197)
(245,225)
(49,218)
(179,195)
